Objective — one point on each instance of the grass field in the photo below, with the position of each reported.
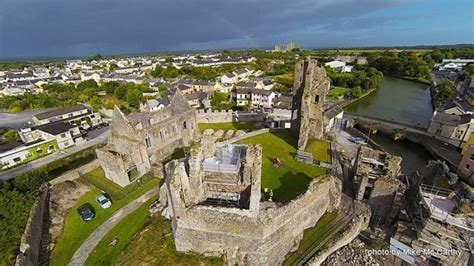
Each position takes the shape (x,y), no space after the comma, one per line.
(320,150)
(75,230)
(227,126)
(336,93)
(124,232)
(155,246)
(97,178)
(292,177)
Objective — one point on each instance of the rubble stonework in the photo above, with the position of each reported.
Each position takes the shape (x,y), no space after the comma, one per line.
(376,183)
(219,212)
(139,141)
(309,91)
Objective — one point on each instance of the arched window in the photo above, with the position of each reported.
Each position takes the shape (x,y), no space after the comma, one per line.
(185,126)
(148,141)
(316,99)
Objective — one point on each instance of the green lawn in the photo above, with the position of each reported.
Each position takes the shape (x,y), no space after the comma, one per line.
(292,177)
(155,246)
(320,150)
(97,178)
(227,126)
(309,236)
(336,92)
(124,232)
(75,230)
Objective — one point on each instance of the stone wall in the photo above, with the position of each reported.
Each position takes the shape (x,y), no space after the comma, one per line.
(75,173)
(228,116)
(30,245)
(360,222)
(264,239)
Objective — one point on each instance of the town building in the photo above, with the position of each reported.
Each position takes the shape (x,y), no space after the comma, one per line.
(452,127)
(16,153)
(254,98)
(65,134)
(453,64)
(78,115)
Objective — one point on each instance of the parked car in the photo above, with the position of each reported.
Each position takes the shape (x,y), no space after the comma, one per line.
(86,212)
(103,201)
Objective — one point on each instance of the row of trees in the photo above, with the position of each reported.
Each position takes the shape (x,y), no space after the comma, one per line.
(204,72)
(363,77)
(66,94)
(404,64)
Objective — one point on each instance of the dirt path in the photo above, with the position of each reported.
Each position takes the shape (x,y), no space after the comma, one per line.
(94,238)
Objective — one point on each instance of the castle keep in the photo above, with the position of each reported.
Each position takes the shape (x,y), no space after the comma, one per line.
(309,91)
(140,141)
(213,198)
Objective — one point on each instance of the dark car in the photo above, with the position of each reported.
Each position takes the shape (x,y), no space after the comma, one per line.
(86,212)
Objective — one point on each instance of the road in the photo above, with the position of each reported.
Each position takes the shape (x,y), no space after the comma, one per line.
(18,120)
(96,137)
(94,238)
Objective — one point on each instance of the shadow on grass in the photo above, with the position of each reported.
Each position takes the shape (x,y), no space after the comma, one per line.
(291,185)
(288,137)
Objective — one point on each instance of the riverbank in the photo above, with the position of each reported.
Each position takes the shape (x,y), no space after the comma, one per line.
(349,102)
(418,80)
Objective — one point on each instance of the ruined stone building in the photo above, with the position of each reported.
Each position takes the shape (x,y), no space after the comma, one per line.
(140,141)
(376,183)
(438,227)
(309,91)
(213,197)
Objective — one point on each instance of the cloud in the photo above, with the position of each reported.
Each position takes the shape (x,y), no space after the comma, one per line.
(82,27)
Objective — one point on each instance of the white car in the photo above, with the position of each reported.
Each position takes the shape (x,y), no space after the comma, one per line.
(103,201)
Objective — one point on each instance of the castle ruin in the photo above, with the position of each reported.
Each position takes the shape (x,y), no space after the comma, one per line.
(309,91)
(140,141)
(213,197)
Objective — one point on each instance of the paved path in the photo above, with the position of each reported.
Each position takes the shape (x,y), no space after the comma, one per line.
(8,174)
(94,238)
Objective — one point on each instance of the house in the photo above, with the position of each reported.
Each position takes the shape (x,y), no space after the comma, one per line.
(466,165)
(263,83)
(203,85)
(453,127)
(333,119)
(65,134)
(41,72)
(90,76)
(198,99)
(77,114)
(185,88)
(15,153)
(123,78)
(154,104)
(255,98)
(228,78)
(283,102)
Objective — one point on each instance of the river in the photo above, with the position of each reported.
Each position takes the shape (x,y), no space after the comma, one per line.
(403,101)
(398,100)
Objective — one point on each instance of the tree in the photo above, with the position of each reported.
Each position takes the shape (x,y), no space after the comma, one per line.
(444,92)
(356,92)
(90,83)
(121,92)
(134,97)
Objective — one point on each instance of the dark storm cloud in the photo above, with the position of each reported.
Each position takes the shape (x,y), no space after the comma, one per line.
(72,27)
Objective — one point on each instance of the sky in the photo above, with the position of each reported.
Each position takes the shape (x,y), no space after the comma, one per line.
(65,28)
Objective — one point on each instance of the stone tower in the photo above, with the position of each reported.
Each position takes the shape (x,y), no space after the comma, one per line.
(309,90)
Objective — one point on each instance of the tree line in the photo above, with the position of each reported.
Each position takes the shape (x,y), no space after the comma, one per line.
(68,94)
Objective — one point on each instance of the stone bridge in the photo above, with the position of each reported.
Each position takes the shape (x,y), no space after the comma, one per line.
(433,143)
(396,129)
